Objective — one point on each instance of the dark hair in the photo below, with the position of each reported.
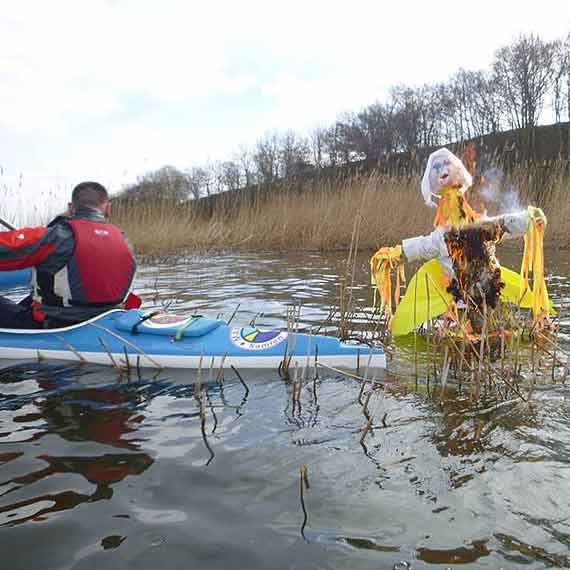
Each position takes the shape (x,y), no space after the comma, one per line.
(89,194)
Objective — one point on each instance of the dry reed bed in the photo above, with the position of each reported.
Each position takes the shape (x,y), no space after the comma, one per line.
(320,215)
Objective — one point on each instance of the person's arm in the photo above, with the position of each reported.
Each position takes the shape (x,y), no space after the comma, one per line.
(25,247)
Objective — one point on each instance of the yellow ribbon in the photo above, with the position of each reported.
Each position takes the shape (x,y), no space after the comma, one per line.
(453,209)
(381,265)
(533,264)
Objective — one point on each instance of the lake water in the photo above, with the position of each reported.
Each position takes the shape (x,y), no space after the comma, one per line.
(96,473)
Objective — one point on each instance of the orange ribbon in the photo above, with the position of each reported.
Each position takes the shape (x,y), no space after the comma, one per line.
(453,209)
(381,265)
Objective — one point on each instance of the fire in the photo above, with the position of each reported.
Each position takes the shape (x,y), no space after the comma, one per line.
(477,272)
(469,159)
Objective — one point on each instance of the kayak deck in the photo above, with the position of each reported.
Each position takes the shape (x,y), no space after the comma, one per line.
(134,338)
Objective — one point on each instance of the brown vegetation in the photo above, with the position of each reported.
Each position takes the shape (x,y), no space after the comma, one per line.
(320,214)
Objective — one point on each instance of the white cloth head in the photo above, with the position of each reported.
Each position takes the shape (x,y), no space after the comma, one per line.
(439,161)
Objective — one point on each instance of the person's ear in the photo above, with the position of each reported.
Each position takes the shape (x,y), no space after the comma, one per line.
(107,209)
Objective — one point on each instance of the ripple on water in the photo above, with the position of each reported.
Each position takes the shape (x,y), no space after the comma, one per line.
(136,474)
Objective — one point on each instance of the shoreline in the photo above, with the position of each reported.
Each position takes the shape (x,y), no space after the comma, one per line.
(552,247)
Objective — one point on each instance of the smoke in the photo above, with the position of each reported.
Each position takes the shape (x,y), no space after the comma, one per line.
(498,191)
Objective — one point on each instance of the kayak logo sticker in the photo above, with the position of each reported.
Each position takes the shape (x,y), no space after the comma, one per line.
(250,338)
(167,320)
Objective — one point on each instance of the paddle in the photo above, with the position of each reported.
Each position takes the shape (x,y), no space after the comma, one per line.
(6,224)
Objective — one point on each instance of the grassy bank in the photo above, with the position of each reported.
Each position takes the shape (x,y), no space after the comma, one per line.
(374,209)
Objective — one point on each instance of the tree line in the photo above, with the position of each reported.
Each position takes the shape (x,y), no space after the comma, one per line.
(525,77)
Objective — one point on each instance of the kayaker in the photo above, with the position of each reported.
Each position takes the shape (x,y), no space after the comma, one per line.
(82,265)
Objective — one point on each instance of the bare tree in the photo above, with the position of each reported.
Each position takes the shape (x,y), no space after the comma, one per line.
(406,117)
(489,111)
(561,80)
(266,157)
(337,149)
(199,181)
(166,183)
(372,131)
(523,73)
(457,101)
(216,182)
(430,115)
(293,154)
(244,160)
(453,112)
(317,143)
(567,73)
(230,174)
(470,105)
(343,139)
(330,145)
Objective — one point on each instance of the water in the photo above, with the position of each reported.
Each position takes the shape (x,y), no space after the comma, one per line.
(100,474)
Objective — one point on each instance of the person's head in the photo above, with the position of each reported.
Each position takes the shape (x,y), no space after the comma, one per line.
(90,195)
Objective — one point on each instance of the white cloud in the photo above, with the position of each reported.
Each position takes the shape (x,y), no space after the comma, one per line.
(63,59)
(112,87)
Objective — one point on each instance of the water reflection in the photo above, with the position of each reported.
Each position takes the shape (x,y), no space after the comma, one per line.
(155,472)
(58,407)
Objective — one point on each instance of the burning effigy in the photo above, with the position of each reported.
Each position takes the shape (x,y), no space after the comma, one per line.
(462,280)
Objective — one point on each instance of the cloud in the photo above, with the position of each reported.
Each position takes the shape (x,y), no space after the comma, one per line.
(125,85)
(73,58)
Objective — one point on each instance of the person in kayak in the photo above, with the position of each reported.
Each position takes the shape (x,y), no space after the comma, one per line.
(82,265)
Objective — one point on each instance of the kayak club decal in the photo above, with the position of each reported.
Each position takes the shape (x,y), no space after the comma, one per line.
(249,338)
(163,320)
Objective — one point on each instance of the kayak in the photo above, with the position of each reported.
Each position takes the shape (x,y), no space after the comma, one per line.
(146,339)
(16,278)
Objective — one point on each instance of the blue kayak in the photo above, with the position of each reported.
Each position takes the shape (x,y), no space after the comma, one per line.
(17,278)
(162,340)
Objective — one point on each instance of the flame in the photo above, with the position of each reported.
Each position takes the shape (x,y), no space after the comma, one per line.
(453,209)
(470,159)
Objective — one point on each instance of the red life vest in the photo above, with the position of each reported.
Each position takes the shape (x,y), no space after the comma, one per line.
(102,267)
(100,271)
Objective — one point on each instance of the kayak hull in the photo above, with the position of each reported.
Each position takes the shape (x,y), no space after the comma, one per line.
(193,362)
(131,339)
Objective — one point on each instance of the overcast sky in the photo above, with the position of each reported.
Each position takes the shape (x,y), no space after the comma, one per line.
(110,89)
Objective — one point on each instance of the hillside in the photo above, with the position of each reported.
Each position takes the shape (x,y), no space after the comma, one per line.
(543,151)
